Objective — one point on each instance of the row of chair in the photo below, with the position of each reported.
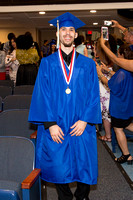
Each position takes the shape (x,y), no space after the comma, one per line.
(17,146)
(15,123)
(9,83)
(18,90)
(19,179)
(15,102)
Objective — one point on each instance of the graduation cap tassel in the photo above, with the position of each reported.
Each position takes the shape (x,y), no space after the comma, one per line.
(57,45)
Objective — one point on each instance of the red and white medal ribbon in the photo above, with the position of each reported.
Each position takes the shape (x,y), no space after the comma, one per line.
(67,77)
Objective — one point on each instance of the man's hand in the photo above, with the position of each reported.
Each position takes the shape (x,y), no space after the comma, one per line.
(56,133)
(78,128)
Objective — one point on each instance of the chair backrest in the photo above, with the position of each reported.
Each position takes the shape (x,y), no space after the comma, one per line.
(17,102)
(24,89)
(5,91)
(8,83)
(16,158)
(128,133)
(15,123)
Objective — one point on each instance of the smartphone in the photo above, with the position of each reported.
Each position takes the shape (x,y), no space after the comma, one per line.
(107,23)
(98,61)
(105,32)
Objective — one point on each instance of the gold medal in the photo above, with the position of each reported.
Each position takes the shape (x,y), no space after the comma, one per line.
(68,91)
(67,77)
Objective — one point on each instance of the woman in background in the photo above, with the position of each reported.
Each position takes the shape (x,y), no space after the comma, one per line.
(121,106)
(2,65)
(52,46)
(11,61)
(80,47)
(28,58)
(104,89)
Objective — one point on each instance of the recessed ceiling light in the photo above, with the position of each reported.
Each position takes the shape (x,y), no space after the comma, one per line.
(95,23)
(93,11)
(42,13)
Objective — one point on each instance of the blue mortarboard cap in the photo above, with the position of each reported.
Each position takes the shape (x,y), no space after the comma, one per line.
(67,20)
(52,42)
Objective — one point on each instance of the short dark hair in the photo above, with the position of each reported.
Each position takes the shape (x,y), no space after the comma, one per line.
(24,42)
(45,41)
(79,40)
(10,36)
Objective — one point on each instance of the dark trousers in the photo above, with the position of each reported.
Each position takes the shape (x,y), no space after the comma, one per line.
(64,192)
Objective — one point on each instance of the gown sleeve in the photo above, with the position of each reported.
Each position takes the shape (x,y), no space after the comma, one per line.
(41,98)
(92,110)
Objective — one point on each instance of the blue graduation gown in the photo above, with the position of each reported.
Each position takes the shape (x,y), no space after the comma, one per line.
(76,158)
(121,94)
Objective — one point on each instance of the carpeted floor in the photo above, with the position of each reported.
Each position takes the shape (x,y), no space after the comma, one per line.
(111,183)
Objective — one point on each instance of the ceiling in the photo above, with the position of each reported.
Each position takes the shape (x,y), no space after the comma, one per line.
(45,2)
(29,17)
(34,20)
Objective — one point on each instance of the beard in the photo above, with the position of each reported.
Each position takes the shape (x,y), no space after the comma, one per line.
(67,44)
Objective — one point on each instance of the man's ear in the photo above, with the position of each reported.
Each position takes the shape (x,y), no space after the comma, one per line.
(76,35)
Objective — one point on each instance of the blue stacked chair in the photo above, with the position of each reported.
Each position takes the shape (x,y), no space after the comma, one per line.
(19,180)
(5,91)
(16,102)
(15,123)
(23,89)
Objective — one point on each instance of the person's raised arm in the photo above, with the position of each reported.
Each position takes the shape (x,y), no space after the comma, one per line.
(124,63)
(116,24)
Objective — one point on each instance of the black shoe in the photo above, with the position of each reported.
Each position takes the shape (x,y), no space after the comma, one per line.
(123,159)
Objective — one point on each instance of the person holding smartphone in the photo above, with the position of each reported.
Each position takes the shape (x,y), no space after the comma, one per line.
(121,106)
(122,62)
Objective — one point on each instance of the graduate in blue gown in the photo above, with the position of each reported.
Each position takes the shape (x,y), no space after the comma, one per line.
(66,106)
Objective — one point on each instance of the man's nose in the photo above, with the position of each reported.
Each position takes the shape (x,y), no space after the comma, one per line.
(67,32)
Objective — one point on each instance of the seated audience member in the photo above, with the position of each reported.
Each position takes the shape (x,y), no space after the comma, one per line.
(2,65)
(121,106)
(80,47)
(11,61)
(104,89)
(28,59)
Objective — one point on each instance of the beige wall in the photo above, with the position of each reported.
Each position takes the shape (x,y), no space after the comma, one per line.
(17,31)
(46,34)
